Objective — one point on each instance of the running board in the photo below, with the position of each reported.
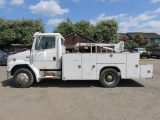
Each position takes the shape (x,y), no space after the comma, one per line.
(50,75)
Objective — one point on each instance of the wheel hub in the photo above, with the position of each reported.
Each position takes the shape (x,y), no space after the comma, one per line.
(22,78)
(109,78)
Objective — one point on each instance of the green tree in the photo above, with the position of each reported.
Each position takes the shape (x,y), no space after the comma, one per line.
(18,31)
(85,28)
(123,38)
(151,47)
(103,31)
(144,42)
(106,31)
(130,44)
(139,39)
(82,27)
(65,27)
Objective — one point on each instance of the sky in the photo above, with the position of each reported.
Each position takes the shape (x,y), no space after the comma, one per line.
(131,15)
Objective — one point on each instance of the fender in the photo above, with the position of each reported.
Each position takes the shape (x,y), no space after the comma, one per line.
(21,60)
(13,66)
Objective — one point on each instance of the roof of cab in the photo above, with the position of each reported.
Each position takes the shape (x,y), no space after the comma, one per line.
(47,34)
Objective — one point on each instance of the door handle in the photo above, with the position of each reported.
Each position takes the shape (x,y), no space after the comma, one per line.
(54,58)
(93,66)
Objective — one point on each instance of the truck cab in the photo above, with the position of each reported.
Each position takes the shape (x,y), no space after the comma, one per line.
(47,51)
(42,61)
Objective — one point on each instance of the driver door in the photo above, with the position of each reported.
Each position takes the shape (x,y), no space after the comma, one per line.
(43,55)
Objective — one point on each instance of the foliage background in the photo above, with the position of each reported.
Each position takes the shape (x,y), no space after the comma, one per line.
(103,31)
(21,32)
(18,31)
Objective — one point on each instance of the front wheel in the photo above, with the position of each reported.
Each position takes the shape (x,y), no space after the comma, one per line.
(109,78)
(23,78)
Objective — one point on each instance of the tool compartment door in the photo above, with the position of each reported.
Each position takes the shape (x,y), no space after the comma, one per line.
(111,58)
(133,68)
(146,71)
(71,66)
(88,66)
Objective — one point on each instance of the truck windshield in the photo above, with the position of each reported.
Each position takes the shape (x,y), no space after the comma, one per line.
(45,43)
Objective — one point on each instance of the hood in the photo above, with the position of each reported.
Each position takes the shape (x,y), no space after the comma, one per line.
(25,53)
(20,56)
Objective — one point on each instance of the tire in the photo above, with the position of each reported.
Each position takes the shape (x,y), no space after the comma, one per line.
(148,56)
(0,63)
(140,56)
(109,78)
(23,78)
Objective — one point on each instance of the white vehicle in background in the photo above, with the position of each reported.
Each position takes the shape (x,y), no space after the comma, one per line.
(47,59)
(142,52)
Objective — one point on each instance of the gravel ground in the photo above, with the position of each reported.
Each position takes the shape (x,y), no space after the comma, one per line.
(137,99)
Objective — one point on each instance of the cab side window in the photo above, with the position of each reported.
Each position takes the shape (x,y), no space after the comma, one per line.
(45,43)
(62,42)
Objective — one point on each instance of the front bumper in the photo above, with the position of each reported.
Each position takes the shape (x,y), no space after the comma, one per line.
(144,55)
(9,76)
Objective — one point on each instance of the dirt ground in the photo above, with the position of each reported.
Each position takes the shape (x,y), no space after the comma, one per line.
(82,100)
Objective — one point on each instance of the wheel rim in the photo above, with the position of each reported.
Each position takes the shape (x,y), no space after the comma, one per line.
(109,78)
(22,78)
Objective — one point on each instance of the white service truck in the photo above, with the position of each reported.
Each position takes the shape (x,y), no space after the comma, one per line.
(48,59)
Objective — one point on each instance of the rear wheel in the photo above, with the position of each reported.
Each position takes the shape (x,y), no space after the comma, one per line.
(23,78)
(109,78)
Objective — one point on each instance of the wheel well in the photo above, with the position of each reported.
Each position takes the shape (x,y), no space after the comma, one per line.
(15,68)
(111,67)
